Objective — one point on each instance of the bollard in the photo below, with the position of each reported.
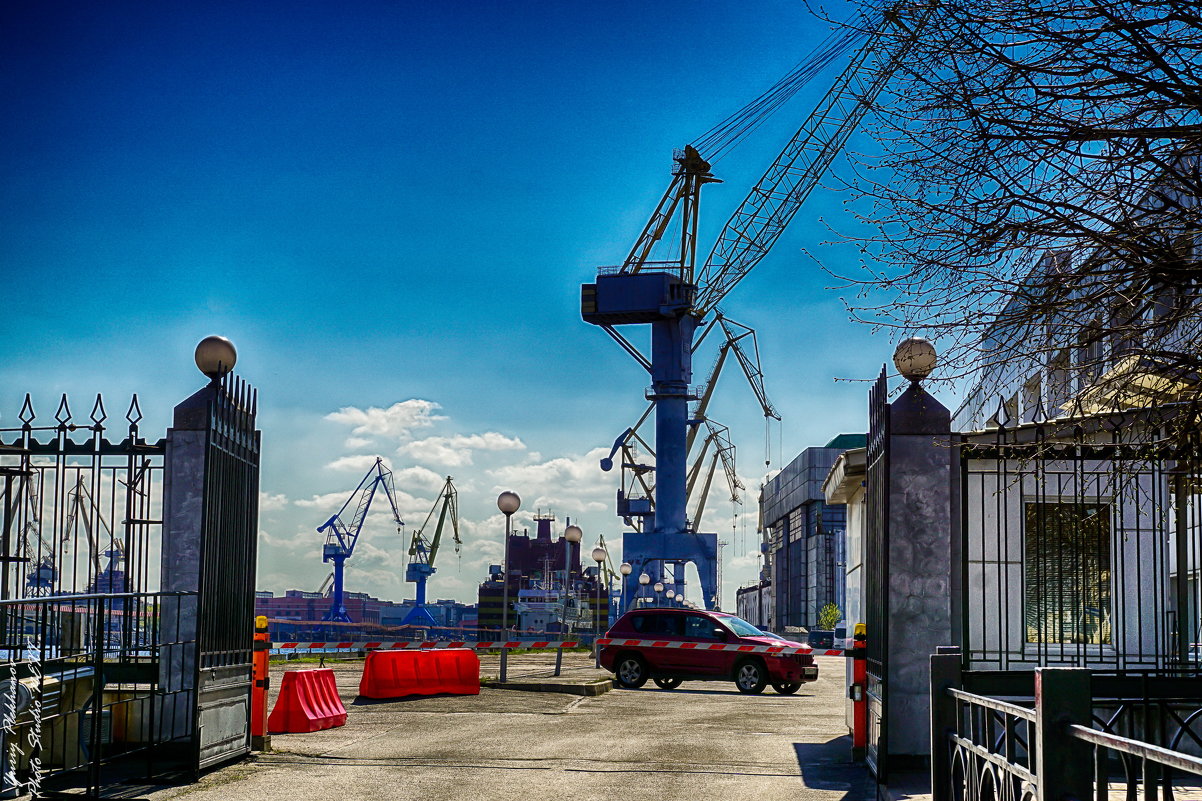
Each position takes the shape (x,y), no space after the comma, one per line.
(504,663)
(260,740)
(559,659)
(859,698)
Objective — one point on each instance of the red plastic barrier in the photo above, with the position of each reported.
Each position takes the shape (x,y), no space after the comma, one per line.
(308,702)
(395,674)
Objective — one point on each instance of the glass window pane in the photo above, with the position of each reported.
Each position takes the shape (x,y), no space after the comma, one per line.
(1067,573)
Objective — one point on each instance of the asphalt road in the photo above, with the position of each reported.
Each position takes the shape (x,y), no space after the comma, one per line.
(701,741)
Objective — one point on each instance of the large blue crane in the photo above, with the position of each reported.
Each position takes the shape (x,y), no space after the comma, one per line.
(673,296)
(342,535)
(424,549)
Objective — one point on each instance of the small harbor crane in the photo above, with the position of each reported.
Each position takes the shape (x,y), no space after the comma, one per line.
(342,534)
(423,550)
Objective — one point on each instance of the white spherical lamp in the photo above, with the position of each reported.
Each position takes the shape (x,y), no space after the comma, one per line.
(573,534)
(626,568)
(915,358)
(216,356)
(508,502)
(599,554)
(644,579)
(659,586)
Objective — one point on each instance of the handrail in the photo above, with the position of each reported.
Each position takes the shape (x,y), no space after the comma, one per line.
(1136,748)
(1017,711)
(55,599)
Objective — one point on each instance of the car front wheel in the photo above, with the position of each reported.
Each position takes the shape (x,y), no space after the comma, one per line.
(787,687)
(631,671)
(667,684)
(750,677)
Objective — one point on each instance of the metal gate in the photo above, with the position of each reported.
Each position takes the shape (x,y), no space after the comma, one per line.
(212,507)
(80,611)
(876,569)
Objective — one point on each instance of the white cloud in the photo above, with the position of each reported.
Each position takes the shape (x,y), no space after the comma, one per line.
(568,484)
(359,463)
(330,500)
(272,503)
(456,451)
(398,421)
(420,478)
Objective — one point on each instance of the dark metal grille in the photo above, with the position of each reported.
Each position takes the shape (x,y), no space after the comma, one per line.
(876,564)
(1081,544)
(81,513)
(230,527)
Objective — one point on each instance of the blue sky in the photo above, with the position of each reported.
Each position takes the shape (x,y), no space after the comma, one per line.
(391,207)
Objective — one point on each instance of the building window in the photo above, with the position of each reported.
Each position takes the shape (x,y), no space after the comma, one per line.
(1067,573)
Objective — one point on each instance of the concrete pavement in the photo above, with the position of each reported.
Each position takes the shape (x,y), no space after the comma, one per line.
(701,741)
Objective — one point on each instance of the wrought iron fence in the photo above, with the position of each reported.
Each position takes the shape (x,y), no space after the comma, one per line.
(82,512)
(1081,544)
(81,706)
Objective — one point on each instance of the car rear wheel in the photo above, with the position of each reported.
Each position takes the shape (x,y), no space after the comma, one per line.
(631,671)
(750,677)
(787,687)
(667,684)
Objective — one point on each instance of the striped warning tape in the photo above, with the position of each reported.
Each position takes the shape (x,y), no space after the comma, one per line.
(707,646)
(420,644)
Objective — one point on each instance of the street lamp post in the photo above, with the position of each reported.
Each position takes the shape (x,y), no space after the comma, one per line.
(671,596)
(570,535)
(599,556)
(644,580)
(625,569)
(659,588)
(508,502)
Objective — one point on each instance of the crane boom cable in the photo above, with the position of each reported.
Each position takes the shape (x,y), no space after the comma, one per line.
(728,133)
(764,214)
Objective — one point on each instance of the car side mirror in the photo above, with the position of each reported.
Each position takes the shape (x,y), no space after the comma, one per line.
(719,634)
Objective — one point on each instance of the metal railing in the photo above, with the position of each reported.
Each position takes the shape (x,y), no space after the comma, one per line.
(81,690)
(1057,739)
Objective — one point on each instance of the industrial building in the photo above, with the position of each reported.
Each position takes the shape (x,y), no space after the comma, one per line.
(545,579)
(365,610)
(803,540)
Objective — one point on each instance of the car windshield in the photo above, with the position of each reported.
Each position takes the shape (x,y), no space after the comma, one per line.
(741,627)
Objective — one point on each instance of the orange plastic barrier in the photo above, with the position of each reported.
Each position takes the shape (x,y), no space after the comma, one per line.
(395,674)
(308,702)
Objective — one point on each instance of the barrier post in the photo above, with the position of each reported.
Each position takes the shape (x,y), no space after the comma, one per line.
(504,662)
(260,740)
(559,658)
(857,693)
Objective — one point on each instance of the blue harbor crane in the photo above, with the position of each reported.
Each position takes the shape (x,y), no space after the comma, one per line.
(342,534)
(423,550)
(673,294)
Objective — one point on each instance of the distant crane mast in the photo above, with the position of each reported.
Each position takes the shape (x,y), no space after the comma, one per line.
(342,535)
(424,549)
(673,297)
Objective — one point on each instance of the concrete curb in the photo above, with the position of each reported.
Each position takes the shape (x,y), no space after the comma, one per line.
(585,688)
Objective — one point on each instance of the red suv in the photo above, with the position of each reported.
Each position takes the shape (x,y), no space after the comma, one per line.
(668,666)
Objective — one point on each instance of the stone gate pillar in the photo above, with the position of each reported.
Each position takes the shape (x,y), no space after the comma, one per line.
(913,556)
(210,530)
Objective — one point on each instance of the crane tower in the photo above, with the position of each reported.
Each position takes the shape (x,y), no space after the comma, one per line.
(674,296)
